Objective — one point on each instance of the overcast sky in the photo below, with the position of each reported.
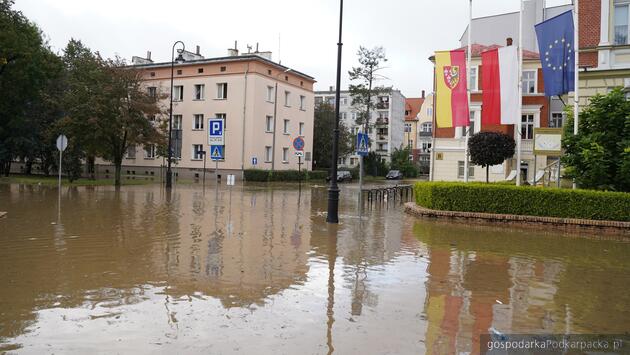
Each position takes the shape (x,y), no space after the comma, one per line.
(409,30)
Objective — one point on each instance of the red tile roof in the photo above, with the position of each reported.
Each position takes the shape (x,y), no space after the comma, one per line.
(477,49)
(413,105)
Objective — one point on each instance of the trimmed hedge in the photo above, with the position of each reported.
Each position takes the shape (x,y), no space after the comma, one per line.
(283,175)
(521,200)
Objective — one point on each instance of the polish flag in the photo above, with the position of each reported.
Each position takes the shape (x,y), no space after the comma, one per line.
(499,73)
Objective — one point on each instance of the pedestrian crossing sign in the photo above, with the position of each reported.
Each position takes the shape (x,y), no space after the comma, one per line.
(216,152)
(363,144)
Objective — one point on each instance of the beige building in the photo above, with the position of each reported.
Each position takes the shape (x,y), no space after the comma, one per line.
(260,123)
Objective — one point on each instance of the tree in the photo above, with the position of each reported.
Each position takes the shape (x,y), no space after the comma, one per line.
(323,136)
(598,157)
(400,161)
(375,165)
(490,148)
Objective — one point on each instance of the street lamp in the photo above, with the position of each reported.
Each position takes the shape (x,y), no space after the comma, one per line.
(275,110)
(333,191)
(180,59)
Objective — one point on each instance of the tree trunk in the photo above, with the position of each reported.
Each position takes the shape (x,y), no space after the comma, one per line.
(90,167)
(118,170)
(29,167)
(7,168)
(487,173)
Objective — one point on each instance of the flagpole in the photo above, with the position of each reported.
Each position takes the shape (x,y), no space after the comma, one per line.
(468,60)
(576,82)
(520,96)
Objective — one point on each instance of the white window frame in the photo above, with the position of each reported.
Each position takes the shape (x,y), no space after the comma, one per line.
(149,151)
(301,128)
(224,117)
(285,126)
(269,124)
(302,102)
(199,92)
(222,91)
(535,123)
(426,127)
(285,155)
(535,72)
(551,118)
(287,98)
(474,88)
(268,154)
(131,148)
(621,4)
(198,122)
(270,94)
(178,93)
(152,91)
(196,154)
(177,122)
(344,101)
(476,112)
(460,170)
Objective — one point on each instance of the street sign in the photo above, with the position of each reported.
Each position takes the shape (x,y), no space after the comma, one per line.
(299,153)
(231,179)
(363,143)
(62,142)
(216,131)
(217,152)
(298,143)
(254,161)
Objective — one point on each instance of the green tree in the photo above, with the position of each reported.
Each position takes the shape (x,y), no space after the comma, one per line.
(400,161)
(490,148)
(375,165)
(598,157)
(323,136)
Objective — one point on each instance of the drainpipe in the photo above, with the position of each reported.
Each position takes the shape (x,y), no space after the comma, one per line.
(244,122)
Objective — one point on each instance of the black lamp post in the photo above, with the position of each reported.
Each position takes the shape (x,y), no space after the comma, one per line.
(180,59)
(333,191)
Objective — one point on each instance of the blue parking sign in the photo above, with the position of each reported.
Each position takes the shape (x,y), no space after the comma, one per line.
(216,132)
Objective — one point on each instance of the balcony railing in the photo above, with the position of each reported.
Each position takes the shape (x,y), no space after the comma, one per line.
(425,134)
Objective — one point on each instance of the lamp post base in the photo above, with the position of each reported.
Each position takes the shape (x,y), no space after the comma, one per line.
(333,205)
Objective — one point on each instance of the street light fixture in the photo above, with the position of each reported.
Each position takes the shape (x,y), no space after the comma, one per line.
(180,59)
(275,110)
(333,191)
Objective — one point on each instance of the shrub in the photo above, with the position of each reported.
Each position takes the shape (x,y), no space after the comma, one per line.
(283,175)
(519,200)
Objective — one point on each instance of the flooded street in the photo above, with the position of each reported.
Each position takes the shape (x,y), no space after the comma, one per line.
(257,270)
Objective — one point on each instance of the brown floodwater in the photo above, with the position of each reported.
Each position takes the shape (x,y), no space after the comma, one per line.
(256,270)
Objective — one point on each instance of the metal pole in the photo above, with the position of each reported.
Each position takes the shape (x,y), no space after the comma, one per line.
(169,172)
(468,60)
(520,96)
(333,191)
(366,130)
(204,167)
(299,169)
(433,126)
(60,155)
(576,80)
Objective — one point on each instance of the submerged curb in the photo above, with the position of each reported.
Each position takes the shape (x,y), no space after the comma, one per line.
(615,227)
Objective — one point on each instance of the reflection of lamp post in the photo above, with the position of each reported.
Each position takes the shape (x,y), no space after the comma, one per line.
(180,59)
(333,191)
(275,110)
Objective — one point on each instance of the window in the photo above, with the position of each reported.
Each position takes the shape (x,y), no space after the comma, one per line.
(460,169)
(199,92)
(354,116)
(270,93)
(407,127)
(302,99)
(223,68)
(197,150)
(319,100)
(330,100)
(177,121)
(527,126)
(198,122)
(344,115)
(268,154)
(353,161)
(430,111)
(222,91)
(471,128)
(426,147)
(149,151)
(301,129)
(178,93)
(285,155)
(285,127)
(286,98)
(473,79)
(269,124)
(529,82)
(131,152)
(224,117)
(152,91)
(179,72)
(621,23)
(344,101)
(200,70)
(426,127)
(557,120)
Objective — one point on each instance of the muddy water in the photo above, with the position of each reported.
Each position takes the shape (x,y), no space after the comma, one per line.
(256,270)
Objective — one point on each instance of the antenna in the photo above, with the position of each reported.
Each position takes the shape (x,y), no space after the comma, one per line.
(279,60)
(256,47)
(249,49)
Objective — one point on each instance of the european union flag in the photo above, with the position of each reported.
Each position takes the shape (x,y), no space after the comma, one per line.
(557,53)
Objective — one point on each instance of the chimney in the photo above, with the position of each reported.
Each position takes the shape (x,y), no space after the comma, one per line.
(198,49)
(331,88)
(423,94)
(149,55)
(233,52)
(509,41)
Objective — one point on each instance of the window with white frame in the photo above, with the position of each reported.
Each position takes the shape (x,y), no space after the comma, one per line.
(301,128)
(557,120)
(426,146)
(222,91)
(407,127)
(224,117)
(471,128)
(353,115)
(473,79)
(285,155)
(287,99)
(149,151)
(621,28)
(177,122)
(152,91)
(198,122)
(529,81)
(527,126)
(430,111)
(344,115)
(426,127)
(270,93)
(285,126)
(344,101)
(197,150)
(268,154)
(460,170)
(178,93)
(302,102)
(199,91)
(131,152)
(269,124)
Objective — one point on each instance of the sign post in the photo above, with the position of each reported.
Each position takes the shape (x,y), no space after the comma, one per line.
(62,144)
(298,145)
(216,141)
(363,143)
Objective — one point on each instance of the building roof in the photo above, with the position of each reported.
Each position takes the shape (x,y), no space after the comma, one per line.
(413,105)
(477,49)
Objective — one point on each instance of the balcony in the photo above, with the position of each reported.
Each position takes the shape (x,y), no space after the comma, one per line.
(381,138)
(382,121)
(425,133)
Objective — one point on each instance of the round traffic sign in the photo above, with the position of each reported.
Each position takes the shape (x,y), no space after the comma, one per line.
(298,143)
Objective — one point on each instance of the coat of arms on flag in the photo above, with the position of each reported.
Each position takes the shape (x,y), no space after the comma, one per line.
(451,76)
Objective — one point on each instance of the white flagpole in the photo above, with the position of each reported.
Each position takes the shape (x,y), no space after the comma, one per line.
(467,131)
(576,83)
(520,96)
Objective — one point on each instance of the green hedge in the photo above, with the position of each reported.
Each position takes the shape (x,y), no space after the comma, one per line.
(522,200)
(283,175)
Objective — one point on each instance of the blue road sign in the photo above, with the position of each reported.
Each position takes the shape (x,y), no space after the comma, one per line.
(254,161)
(216,131)
(217,152)
(298,143)
(363,143)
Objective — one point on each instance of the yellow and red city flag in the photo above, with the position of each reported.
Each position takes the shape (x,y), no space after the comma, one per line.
(451,87)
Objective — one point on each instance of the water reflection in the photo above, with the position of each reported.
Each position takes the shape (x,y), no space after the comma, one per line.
(255,269)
